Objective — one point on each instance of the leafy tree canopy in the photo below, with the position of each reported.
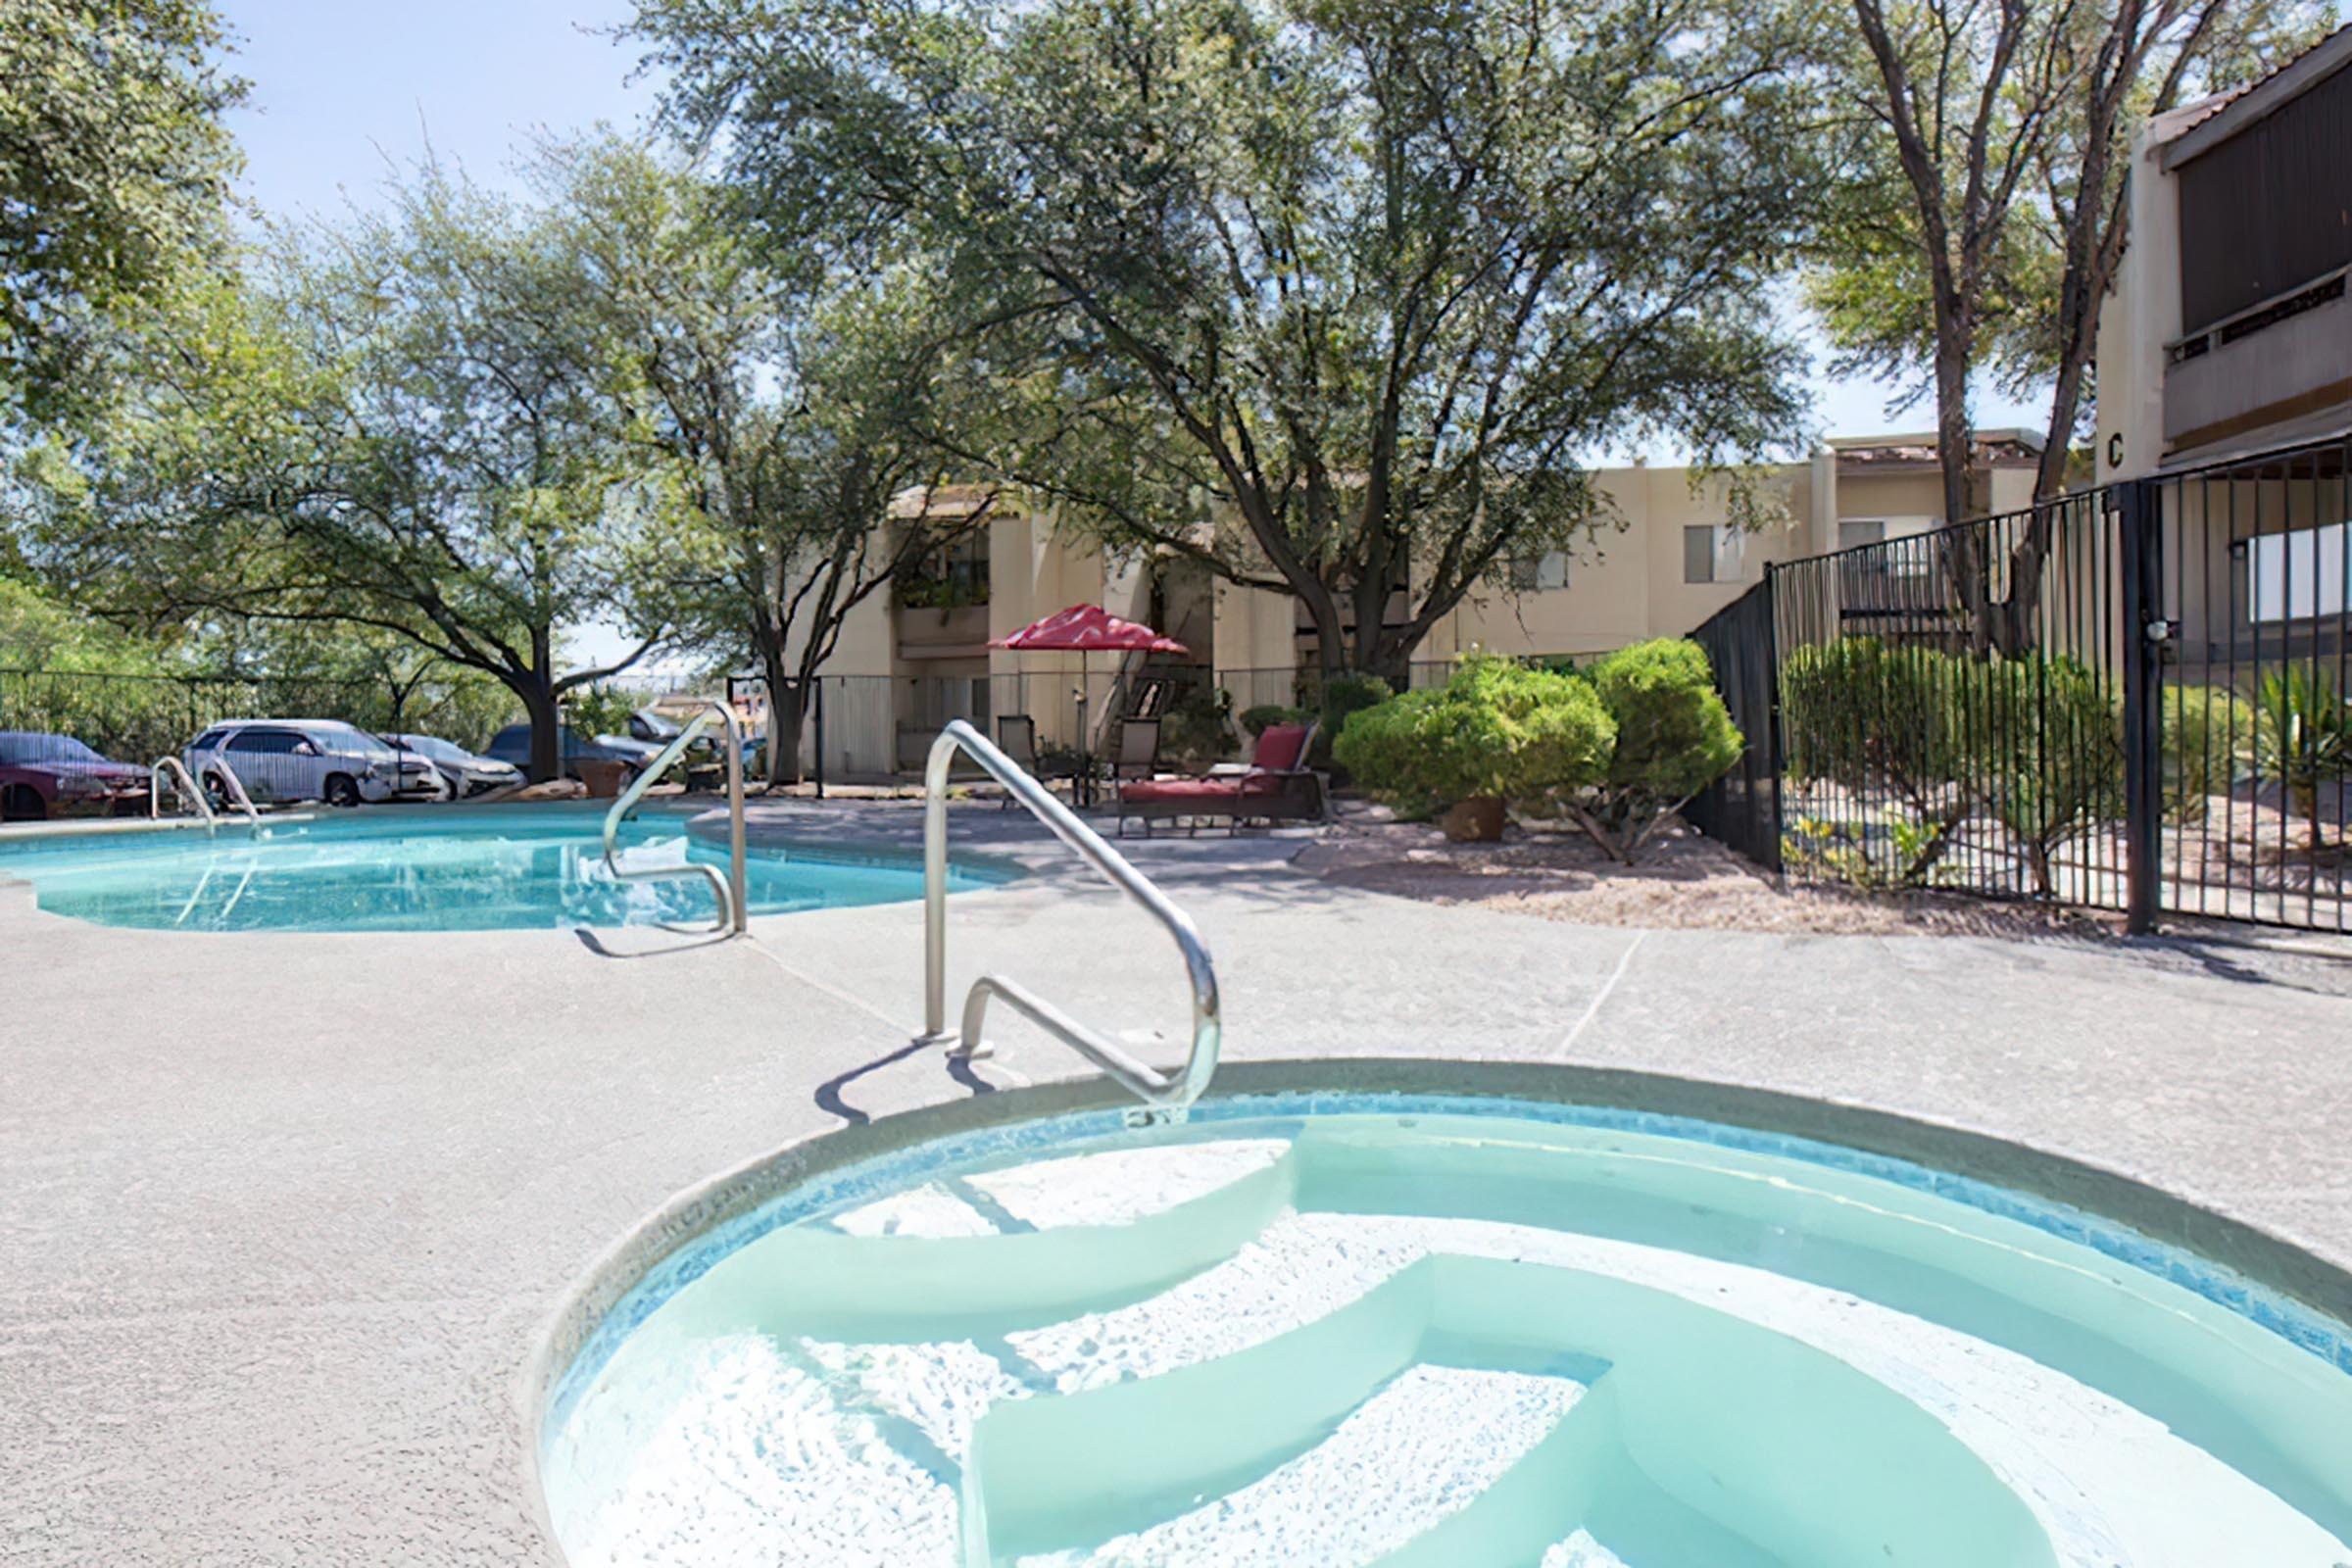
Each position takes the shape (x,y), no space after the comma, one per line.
(1334,296)
(405,423)
(114,165)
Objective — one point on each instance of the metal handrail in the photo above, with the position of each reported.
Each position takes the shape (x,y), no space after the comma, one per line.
(1154,1086)
(186,785)
(734,912)
(236,787)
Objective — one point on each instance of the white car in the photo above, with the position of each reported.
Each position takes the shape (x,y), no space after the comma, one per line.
(279,761)
(462,773)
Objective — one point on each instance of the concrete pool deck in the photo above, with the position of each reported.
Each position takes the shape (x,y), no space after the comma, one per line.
(280,1216)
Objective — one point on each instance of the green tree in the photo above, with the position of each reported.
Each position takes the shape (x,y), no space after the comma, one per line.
(1332,296)
(1985,213)
(787,413)
(1674,737)
(403,424)
(114,165)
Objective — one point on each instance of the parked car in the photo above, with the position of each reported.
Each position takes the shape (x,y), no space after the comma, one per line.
(462,773)
(513,745)
(279,761)
(657,726)
(56,775)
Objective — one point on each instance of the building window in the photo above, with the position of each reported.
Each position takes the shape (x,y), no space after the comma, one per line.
(2299,576)
(1531,574)
(1710,553)
(1861,531)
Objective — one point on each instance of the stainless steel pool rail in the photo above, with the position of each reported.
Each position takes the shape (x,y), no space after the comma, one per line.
(1155,1087)
(182,784)
(734,911)
(235,787)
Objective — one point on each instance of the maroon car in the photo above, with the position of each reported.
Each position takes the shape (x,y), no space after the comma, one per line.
(56,775)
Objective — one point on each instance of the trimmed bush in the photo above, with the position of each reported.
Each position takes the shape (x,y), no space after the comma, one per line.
(2048,744)
(1493,731)
(1879,721)
(2206,730)
(1344,697)
(1674,737)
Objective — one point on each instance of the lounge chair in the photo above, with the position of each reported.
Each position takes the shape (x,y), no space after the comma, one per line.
(1277,787)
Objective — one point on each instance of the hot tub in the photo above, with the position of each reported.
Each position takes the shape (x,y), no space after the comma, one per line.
(1435,1313)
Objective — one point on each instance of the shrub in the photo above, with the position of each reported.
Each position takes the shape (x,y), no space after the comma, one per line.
(2302,736)
(2206,729)
(1674,738)
(1255,721)
(1493,730)
(2046,741)
(1880,722)
(1344,697)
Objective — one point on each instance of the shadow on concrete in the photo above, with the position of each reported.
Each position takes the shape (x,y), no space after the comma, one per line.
(596,944)
(831,1100)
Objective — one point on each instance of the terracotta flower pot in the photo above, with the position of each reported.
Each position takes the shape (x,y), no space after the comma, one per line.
(1475,820)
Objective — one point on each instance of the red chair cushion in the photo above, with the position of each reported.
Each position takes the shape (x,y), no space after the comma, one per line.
(1279,746)
(1182,789)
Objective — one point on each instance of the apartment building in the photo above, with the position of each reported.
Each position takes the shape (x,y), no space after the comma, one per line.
(1668,558)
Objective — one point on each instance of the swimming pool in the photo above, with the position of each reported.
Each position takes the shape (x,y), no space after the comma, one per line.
(469,868)
(1416,1329)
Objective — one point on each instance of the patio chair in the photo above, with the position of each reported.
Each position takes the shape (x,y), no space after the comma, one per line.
(1137,756)
(1016,738)
(1277,787)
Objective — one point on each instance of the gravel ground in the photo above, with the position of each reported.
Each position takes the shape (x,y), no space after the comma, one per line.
(1683,882)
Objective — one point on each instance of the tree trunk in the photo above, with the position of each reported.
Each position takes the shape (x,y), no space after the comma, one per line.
(787,703)
(538,695)
(1955,441)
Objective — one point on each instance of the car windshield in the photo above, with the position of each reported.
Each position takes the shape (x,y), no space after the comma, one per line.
(45,749)
(343,738)
(440,750)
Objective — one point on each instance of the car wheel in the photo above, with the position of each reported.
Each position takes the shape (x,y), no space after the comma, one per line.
(22,802)
(342,790)
(216,792)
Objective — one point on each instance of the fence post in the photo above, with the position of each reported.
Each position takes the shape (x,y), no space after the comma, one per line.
(818,681)
(1774,755)
(2140,534)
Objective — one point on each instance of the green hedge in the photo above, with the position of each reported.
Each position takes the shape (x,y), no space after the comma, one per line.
(1495,729)
(1619,748)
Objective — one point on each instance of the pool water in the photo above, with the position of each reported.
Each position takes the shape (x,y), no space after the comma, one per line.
(468,869)
(1353,1330)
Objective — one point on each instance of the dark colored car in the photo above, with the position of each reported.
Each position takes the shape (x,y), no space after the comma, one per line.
(513,745)
(55,775)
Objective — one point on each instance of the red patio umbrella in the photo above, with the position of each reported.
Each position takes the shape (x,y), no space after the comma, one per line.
(1089,628)
(1083,629)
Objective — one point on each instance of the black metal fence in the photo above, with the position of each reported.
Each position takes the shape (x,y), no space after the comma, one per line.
(1742,809)
(2132,697)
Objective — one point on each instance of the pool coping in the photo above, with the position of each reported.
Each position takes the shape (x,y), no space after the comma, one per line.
(2264,1260)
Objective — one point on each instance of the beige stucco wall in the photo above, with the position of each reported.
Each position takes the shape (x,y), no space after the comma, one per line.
(2140,317)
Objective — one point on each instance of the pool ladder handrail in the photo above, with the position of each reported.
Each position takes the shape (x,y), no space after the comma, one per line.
(1162,1089)
(183,785)
(734,912)
(235,787)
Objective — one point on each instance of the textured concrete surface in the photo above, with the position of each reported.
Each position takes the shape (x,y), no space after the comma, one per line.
(280,1216)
